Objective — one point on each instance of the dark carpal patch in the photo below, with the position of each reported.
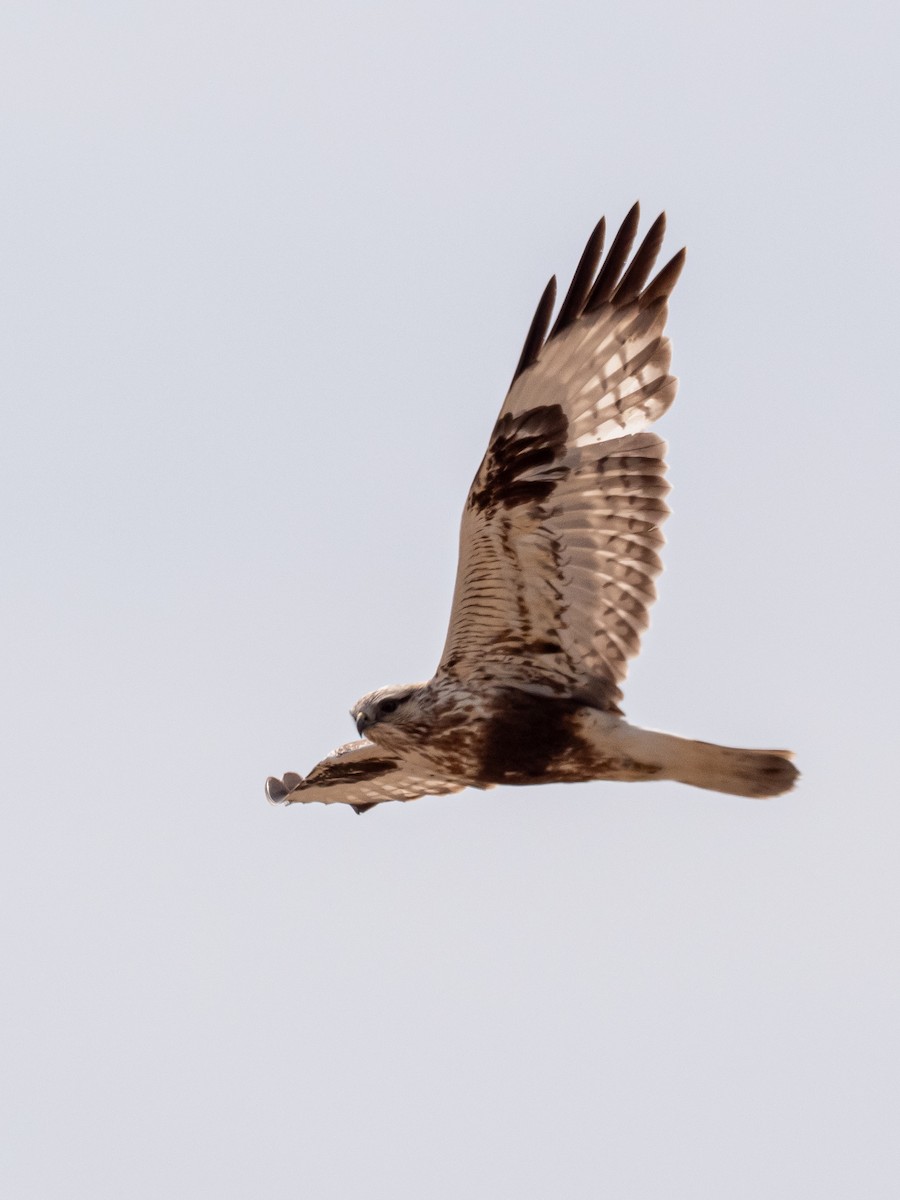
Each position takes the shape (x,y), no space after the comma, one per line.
(526,737)
(521,448)
(353,772)
(542,647)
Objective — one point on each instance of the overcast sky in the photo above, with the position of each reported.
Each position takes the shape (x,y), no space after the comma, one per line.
(266,270)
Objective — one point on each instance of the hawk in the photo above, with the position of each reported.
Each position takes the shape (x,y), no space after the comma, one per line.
(558,553)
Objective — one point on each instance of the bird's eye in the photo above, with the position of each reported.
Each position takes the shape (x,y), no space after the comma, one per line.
(388,706)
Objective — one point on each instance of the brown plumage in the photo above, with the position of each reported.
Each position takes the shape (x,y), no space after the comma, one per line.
(559,550)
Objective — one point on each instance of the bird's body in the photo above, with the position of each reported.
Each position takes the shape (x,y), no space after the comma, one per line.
(558,554)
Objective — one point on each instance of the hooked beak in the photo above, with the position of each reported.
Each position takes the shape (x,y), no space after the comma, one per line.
(362,723)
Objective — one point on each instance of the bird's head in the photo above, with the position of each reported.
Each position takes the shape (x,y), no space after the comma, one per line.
(388,709)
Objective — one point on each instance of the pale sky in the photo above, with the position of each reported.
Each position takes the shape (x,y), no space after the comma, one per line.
(266,271)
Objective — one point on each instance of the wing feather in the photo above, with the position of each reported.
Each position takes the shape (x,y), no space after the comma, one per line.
(579,289)
(608,277)
(538,330)
(362,774)
(643,262)
(561,529)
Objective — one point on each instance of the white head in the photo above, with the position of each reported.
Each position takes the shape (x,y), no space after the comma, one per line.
(387,710)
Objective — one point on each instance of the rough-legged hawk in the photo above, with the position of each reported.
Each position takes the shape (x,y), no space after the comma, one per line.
(559,550)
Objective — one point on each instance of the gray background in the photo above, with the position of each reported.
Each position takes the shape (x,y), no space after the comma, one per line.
(266,271)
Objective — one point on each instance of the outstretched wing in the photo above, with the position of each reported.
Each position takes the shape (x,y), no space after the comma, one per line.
(361,774)
(560,533)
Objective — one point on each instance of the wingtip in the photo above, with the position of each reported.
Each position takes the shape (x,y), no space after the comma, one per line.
(276,792)
(540,323)
(661,286)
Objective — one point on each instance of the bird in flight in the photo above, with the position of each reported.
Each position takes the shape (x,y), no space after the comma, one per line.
(558,553)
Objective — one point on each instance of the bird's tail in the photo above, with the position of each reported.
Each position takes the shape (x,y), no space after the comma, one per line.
(757,773)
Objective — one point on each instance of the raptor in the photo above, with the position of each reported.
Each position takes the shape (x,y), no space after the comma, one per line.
(559,551)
